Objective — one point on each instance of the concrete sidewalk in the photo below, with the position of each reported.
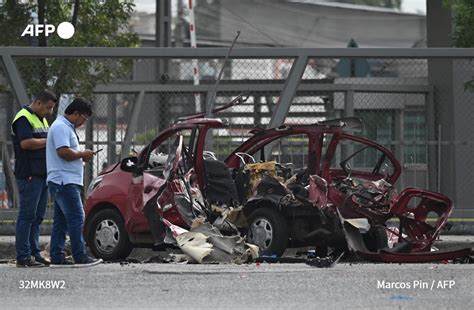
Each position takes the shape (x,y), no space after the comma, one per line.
(7,246)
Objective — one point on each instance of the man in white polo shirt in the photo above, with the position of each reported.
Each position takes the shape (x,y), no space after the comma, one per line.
(64,163)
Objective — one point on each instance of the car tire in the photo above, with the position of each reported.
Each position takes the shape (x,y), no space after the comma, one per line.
(268,230)
(107,237)
(376,239)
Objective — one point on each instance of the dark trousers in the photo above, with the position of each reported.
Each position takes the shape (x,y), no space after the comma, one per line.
(33,200)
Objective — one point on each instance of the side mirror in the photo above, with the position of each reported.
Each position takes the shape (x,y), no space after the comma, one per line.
(129,164)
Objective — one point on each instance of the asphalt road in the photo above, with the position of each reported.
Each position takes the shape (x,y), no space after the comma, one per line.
(253,286)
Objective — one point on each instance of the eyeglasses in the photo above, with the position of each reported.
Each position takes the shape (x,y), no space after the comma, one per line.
(85,117)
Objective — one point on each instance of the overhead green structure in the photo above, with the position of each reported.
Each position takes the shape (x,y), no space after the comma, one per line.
(353,67)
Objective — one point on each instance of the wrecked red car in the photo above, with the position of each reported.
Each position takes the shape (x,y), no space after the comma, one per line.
(339,196)
(344,197)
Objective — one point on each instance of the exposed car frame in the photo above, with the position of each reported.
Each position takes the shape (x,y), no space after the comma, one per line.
(335,212)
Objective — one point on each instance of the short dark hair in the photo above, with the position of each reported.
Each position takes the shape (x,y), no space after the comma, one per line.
(46,95)
(81,105)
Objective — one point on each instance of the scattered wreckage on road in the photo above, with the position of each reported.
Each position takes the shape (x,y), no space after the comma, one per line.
(343,198)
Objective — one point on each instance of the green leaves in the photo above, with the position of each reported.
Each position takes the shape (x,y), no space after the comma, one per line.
(463,32)
(463,28)
(98,25)
(469,85)
(13,20)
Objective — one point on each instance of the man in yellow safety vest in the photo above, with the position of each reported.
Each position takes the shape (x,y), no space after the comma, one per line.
(29,132)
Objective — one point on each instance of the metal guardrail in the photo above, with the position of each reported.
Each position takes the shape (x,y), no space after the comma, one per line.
(284,89)
(253,52)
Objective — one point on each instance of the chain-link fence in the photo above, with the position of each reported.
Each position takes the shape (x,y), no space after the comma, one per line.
(420,118)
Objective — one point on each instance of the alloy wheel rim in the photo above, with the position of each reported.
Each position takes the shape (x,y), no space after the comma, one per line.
(261,233)
(107,236)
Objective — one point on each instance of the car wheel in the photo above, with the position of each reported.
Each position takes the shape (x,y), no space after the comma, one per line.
(268,230)
(107,238)
(376,239)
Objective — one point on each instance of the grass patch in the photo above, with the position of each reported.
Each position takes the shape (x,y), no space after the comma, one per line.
(47,222)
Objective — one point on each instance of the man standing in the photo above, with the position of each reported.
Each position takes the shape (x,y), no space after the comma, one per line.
(65,181)
(29,132)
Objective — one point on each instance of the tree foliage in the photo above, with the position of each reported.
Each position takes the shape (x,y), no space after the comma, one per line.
(96,25)
(396,4)
(463,27)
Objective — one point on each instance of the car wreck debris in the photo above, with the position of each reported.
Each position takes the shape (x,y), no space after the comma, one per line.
(344,197)
(204,243)
(324,262)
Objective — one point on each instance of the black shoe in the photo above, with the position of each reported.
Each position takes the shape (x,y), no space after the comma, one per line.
(29,263)
(42,260)
(88,261)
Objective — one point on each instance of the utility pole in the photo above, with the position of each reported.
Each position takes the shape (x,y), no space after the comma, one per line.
(163,29)
(162,39)
(195,62)
(179,30)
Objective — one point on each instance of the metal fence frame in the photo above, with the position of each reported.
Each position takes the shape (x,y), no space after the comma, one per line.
(287,90)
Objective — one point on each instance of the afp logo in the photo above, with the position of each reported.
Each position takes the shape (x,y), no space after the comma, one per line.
(65,30)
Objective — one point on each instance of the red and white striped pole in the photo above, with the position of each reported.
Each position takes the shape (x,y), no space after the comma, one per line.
(195,66)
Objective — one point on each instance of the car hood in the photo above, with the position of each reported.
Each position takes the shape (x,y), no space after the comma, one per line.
(109,168)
